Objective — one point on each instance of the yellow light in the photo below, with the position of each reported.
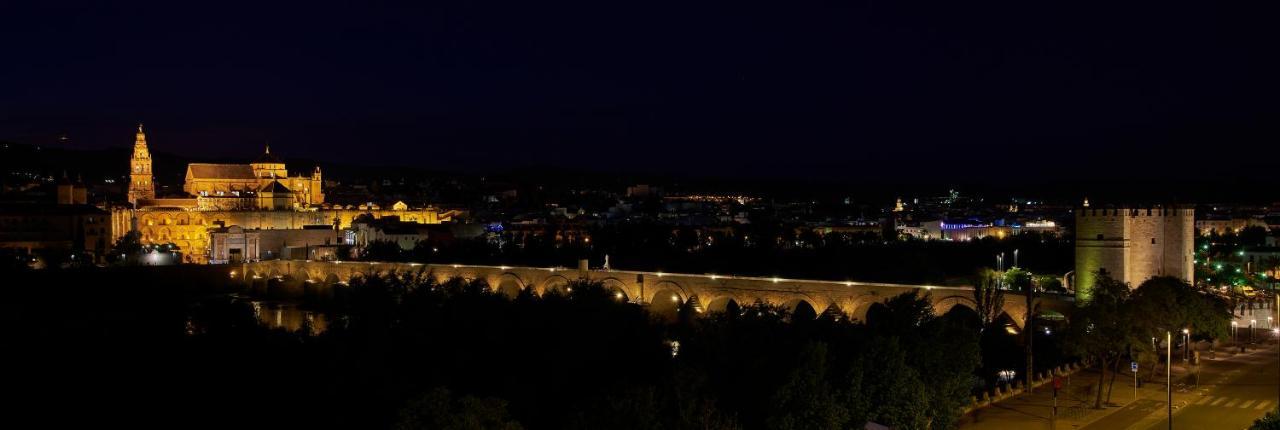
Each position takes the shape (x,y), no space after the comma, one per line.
(713,277)
(675,298)
(617,295)
(775,280)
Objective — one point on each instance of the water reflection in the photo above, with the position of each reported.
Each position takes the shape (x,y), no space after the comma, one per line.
(288,316)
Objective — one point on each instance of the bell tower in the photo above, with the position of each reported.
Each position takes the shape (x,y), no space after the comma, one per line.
(140,178)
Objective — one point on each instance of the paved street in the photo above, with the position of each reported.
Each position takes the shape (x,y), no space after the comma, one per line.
(1234,390)
(1233,393)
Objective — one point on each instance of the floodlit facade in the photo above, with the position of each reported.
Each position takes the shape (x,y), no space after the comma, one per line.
(141,182)
(258,196)
(1133,244)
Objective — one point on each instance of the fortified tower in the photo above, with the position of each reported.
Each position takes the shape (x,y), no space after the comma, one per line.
(1133,244)
(141,186)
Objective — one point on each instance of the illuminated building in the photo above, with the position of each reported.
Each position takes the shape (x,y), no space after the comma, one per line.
(1133,244)
(263,184)
(256,196)
(141,181)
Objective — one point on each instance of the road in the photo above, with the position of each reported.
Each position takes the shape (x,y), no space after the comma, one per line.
(1233,392)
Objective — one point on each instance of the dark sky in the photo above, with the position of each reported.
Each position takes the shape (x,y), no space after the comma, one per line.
(840,89)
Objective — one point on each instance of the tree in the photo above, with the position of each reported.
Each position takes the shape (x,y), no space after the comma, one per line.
(382,250)
(988,297)
(1166,303)
(903,313)
(1103,329)
(883,388)
(1017,279)
(806,400)
(127,246)
(437,409)
(1270,421)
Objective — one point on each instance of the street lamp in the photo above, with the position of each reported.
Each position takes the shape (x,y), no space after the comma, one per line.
(1276,333)
(1186,344)
(1168,375)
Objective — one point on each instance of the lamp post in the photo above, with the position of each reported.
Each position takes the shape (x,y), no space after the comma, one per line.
(1251,324)
(1276,332)
(1168,374)
(1233,331)
(1186,344)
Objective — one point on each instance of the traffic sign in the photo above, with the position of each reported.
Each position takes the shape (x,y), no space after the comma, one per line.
(1057,382)
(1133,366)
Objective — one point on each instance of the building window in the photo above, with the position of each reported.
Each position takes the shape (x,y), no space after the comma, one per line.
(1099,237)
(1153,241)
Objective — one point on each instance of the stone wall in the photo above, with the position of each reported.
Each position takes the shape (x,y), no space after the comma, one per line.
(1133,245)
(189,228)
(656,289)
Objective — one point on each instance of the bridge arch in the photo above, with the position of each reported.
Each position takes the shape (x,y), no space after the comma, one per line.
(666,298)
(509,284)
(943,305)
(619,289)
(667,286)
(554,283)
(856,308)
(801,309)
(725,301)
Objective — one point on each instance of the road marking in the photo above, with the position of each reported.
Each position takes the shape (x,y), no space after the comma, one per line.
(1231,404)
(1262,405)
(1246,405)
(1204,400)
(1220,400)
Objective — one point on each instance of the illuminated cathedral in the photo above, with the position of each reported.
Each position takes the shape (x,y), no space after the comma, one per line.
(257,195)
(264,184)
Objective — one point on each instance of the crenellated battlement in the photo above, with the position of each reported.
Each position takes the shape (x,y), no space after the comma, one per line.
(1133,243)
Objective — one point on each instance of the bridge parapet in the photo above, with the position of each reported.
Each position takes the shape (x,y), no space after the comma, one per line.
(709,292)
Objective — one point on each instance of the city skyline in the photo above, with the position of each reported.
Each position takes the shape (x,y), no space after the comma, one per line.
(647,215)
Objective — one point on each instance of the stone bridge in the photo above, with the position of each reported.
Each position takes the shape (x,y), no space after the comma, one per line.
(707,292)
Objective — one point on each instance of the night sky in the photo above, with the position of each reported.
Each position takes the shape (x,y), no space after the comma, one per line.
(840,89)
